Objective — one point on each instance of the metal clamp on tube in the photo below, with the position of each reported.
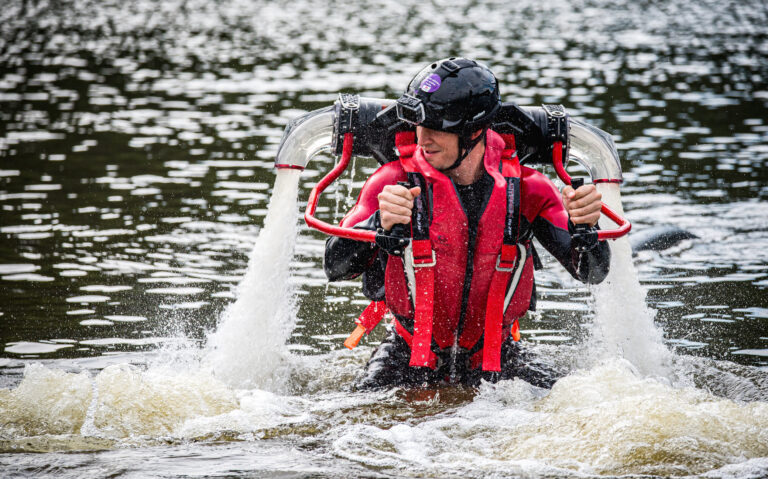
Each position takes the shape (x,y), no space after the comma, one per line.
(583,237)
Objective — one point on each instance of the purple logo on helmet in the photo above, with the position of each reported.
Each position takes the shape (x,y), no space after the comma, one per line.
(431,83)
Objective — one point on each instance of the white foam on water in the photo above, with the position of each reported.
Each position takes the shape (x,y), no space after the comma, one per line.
(125,402)
(624,324)
(154,403)
(606,420)
(249,345)
(48,401)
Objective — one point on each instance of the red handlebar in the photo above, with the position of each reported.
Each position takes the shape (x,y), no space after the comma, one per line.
(602,235)
(314,197)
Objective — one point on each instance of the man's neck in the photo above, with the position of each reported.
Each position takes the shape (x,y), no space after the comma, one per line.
(471,169)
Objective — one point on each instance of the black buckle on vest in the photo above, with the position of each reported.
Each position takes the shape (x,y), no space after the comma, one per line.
(393,242)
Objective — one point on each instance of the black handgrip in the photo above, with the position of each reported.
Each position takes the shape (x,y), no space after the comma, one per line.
(577,183)
(396,239)
(583,236)
(401,230)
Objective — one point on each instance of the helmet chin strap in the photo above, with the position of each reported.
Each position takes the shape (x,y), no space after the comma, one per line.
(465,147)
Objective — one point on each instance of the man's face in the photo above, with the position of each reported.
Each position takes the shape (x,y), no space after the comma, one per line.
(440,148)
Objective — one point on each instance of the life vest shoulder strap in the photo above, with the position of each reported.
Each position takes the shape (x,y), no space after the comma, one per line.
(405,142)
(509,154)
(422,260)
(508,265)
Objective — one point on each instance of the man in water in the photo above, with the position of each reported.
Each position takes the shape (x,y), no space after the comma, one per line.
(470,211)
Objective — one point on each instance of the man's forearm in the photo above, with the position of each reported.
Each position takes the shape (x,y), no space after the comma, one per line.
(589,266)
(346,258)
(592,266)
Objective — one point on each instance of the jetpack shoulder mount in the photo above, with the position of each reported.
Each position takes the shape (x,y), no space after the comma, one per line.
(374,123)
(363,126)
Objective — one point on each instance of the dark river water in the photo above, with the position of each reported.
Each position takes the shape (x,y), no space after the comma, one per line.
(137,140)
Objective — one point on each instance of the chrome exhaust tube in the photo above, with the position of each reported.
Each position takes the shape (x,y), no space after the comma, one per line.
(595,150)
(304,137)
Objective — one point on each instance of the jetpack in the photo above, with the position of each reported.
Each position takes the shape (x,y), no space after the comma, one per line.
(360,126)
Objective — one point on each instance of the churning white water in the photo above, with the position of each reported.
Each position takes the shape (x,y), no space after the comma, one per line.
(602,421)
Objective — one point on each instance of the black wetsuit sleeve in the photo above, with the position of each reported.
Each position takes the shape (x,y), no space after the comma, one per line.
(346,258)
(590,266)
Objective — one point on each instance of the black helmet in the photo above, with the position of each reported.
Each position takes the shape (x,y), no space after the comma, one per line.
(455,95)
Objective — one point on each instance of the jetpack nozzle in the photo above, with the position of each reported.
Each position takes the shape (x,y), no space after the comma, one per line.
(372,121)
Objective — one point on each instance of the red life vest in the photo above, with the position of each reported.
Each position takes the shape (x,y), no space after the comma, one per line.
(427,285)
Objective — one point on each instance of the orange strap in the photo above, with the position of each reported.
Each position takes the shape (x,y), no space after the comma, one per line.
(515,330)
(354,338)
(370,317)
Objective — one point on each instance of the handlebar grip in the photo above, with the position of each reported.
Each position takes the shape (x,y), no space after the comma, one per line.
(584,237)
(577,183)
(401,230)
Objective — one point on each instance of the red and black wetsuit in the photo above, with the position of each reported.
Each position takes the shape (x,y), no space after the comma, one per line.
(476,214)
